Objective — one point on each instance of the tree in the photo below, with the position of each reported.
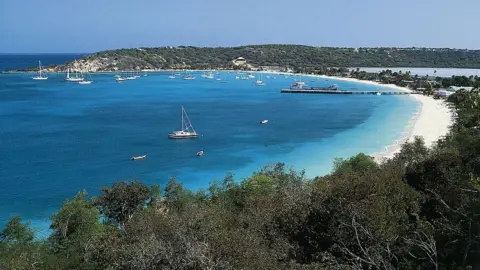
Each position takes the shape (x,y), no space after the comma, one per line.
(119,203)
(76,231)
(356,164)
(17,232)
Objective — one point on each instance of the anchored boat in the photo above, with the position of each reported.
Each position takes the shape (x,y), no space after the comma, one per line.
(187,131)
(41,74)
(138,157)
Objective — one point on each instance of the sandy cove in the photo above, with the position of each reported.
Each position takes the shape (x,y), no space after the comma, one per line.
(431,122)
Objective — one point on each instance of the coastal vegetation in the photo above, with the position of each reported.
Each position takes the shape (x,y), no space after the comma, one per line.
(427,84)
(273,56)
(418,210)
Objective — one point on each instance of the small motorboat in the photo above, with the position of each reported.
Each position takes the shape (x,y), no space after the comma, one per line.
(264,121)
(379,94)
(138,157)
(200,153)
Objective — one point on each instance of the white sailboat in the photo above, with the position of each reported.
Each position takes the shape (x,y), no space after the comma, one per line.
(187,131)
(172,76)
(188,77)
(120,79)
(131,77)
(73,79)
(259,82)
(41,74)
(85,81)
(208,75)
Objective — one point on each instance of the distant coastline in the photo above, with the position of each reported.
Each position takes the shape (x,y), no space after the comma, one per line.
(278,57)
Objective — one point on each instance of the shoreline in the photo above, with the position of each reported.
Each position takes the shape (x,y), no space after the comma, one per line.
(431,122)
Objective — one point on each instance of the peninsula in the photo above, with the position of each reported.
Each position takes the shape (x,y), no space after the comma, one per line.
(297,58)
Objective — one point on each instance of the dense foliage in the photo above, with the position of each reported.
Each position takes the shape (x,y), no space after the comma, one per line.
(418,210)
(295,56)
(292,56)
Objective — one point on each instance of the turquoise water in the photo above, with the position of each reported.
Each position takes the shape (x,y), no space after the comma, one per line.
(58,138)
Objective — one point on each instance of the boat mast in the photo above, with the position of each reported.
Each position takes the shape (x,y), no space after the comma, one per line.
(183,122)
(189,123)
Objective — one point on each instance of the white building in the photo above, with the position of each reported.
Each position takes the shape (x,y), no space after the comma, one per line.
(240,61)
(444,93)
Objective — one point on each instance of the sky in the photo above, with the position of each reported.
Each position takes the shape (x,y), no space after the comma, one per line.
(61,26)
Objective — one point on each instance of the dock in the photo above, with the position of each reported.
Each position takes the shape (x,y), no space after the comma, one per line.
(347,92)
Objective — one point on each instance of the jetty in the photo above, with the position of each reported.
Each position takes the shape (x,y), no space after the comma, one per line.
(348,92)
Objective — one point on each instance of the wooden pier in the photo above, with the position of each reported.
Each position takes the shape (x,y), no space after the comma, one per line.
(347,92)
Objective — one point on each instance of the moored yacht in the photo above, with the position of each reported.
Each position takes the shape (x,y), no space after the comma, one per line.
(76,78)
(187,132)
(85,81)
(259,82)
(41,74)
(188,77)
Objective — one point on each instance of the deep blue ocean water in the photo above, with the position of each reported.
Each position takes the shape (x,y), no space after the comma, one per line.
(58,138)
(19,61)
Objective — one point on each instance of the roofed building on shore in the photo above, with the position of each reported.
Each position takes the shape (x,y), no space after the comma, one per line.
(239,61)
(443,93)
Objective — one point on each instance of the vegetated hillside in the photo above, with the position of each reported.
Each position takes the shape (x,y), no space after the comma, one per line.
(294,56)
(418,210)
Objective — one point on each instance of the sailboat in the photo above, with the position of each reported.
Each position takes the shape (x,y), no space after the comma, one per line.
(131,76)
(208,75)
(85,81)
(120,79)
(187,131)
(259,82)
(41,75)
(73,79)
(188,77)
(172,76)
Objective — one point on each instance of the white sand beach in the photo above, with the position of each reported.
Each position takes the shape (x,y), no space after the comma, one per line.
(431,122)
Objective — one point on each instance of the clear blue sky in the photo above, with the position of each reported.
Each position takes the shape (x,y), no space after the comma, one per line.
(93,25)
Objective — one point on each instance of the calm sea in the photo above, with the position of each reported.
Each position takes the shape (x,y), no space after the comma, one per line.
(19,61)
(58,138)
